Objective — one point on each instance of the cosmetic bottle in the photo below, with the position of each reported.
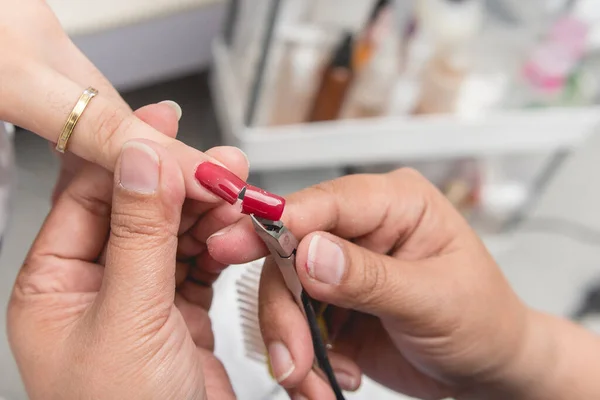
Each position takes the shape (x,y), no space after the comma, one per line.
(451,26)
(335,82)
(370,96)
(368,40)
(302,57)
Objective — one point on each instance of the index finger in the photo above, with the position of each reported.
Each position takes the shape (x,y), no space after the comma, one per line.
(41,99)
(377,211)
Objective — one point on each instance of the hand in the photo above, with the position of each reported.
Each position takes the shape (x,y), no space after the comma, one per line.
(433,315)
(83,328)
(42,74)
(163,117)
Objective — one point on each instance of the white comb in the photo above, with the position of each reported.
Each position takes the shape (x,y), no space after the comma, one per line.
(247,300)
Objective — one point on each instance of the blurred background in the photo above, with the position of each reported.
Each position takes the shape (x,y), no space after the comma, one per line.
(494,101)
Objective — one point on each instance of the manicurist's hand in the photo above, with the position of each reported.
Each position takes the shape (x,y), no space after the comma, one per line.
(421,306)
(43,74)
(97,311)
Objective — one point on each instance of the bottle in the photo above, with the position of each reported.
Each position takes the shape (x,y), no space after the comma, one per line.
(297,75)
(368,40)
(451,25)
(335,82)
(371,95)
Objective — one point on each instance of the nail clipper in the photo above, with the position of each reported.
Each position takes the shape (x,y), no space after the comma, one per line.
(282,245)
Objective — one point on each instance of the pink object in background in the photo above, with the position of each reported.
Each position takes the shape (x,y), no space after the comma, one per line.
(570,33)
(552,62)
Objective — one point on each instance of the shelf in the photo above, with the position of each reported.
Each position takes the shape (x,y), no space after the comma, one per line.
(382,140)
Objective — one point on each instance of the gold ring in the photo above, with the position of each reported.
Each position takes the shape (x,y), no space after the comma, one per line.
(67,130)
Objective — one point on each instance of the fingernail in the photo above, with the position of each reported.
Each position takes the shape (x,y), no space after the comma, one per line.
(299,396)
(262,204)
(175,107)
(220,181)
(346,381)
(281,361)
(220,233)
(139,168)
(245,156)
(325,260)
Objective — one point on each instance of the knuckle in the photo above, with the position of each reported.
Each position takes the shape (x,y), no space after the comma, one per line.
(129,226)
(371,280)
(408,174)
(110,123)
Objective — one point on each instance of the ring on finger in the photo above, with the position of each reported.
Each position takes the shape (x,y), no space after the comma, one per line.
(85,98)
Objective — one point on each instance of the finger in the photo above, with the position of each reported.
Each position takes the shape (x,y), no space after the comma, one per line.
(197,321)
(42,105)
(217,384)
(316,386)
(65,177)
(347,372)
(140,258)
(72,237)
(181,272)
(213,221)
(235,160)
(197,290)
(284,329)
(203,279)
(188,247)
(162,116)
(378,211)
(205,262)
(313,387)
(67,59)
(341,273)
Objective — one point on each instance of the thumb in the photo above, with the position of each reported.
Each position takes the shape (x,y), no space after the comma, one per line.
(140,257)
(341,273)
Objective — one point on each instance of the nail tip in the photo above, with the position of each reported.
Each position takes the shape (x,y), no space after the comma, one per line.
(136,144)
(286,374)
(175,106)
(263,204)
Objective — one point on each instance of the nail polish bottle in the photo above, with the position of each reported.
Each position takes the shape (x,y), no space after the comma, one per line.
(335,82)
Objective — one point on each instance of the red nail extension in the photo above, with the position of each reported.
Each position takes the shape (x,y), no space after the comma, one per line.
(220,181)
(262,203)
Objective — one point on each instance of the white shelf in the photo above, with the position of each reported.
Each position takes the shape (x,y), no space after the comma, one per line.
(381,140)
(84,17)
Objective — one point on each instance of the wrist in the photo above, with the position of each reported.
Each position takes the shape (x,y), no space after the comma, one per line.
(528,374)
(558,360)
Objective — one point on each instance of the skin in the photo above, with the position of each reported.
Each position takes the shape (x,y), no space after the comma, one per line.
(431,316)
(102,309)
(42,74)
(421,306)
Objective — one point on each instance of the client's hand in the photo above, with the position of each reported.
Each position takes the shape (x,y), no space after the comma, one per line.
(43,74)
(434,317)
(87,324)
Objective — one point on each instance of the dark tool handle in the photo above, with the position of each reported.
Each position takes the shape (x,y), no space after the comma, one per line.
(319,346)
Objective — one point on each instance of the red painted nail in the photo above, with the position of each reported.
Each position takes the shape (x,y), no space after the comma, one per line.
(220,181)
(262,203)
